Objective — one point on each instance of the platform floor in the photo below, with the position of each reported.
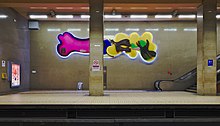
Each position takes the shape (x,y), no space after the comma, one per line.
(124,97)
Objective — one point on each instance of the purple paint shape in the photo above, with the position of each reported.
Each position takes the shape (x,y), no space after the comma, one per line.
(70,43)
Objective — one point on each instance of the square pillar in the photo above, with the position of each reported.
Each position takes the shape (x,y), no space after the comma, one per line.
(206,48)
(96,48)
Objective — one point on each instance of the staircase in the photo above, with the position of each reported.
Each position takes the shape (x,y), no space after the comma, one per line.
(193,88)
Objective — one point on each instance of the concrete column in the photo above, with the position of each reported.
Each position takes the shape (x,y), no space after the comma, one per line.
(96,48)
(206,48)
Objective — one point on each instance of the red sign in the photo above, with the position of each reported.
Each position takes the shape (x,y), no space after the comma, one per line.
(96,65)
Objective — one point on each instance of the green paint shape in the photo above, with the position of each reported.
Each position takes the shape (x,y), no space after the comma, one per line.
(142,43)
(133,46)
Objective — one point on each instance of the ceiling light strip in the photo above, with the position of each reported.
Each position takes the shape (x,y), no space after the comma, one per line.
(38,16)
(111,29)
(138,16)
(53,29)
(64,16)
(170,29)
(85,16)
(3,16)
(186,16)
(152,29)
(112,16)
(132,29)
(163,16)
(74,29)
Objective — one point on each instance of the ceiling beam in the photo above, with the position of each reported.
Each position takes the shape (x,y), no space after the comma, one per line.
(154,1)
(44,1)
(106,1)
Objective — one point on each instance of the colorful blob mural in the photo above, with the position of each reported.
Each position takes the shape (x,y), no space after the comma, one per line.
(131,45)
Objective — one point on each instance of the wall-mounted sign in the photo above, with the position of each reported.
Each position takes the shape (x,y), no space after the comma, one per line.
(210,62)
(3,63)
(96,65)
(4,76)
(132,45)
(15,75)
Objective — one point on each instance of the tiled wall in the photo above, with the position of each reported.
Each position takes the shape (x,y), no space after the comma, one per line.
(176,54)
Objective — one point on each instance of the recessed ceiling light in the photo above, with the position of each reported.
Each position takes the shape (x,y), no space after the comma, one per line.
(3,16)
(152,29)
(64,16)
(138,16)
(38,16)
(132,29)
(170,29)
(111,29)
(53,29)
(190,29)
(73,29)
(163,16)
(199,16)
(97,45)
(85,16)
(112,16)
(186,16)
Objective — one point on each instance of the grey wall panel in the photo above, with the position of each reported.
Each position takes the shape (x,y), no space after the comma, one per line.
(15,47)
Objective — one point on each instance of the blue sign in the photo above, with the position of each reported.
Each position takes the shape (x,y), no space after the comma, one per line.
(210,62)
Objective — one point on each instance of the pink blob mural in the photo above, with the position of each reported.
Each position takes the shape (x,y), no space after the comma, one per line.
(69,44)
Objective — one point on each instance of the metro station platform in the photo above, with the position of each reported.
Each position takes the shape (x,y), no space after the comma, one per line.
(121,108)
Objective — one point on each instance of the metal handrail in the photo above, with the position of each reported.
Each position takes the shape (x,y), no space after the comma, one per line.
(184,76)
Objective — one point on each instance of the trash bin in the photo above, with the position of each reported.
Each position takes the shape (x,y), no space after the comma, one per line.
(79,85)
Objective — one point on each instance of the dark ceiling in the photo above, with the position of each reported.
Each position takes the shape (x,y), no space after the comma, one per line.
(26,7)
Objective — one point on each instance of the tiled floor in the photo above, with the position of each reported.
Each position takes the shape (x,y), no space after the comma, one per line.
(110,98)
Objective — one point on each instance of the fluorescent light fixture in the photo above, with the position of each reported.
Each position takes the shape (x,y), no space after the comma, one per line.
(170,29)
(190,29)
(85,16)
(199,16)
(132,29)
(3,16)
(74,29)
(64,16)
(186,16)
(112,16)
(97,45)
(217,16)
(163,16)
(38,16)
(152,29)
(53,29)
(111,29)
(138,16)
